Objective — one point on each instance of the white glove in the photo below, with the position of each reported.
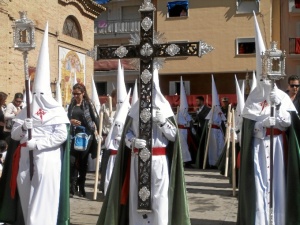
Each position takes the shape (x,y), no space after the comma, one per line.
(31,144)
(274,97)
(118,138)
(159,118)
(268,122)
(139,143)
(28,124)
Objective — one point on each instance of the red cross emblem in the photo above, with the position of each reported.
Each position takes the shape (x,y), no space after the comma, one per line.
(263,105)
(40,113)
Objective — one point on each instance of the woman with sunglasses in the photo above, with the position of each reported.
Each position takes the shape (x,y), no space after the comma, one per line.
(12,110)
(81,112)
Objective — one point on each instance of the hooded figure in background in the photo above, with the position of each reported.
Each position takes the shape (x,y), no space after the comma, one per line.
(169,202)
(184,124)
(216,119)
(113,139)
(41,197)
(254,184)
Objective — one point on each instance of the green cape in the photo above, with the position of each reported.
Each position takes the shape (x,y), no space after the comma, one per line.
(247,194)
(293,174)
(10,209)
(202,146)
(112,213)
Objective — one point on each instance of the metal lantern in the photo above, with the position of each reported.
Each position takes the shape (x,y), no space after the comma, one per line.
(23,33)
(273,63)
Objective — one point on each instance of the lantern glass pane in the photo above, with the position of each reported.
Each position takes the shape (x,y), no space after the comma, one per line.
(276,64)
(23,36)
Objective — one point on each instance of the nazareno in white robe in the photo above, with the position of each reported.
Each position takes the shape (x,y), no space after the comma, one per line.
(216,140)
(183,135)
(159,176)
(257,108)
(40,196)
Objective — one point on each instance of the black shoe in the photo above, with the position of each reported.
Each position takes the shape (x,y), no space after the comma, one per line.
(188,165)
(81,192)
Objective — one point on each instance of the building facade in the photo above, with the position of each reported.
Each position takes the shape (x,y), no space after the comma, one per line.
(71,35)
(290,37)
(228,26)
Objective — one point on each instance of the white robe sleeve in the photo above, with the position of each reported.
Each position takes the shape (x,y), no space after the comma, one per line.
(53,140)
(283,119)
(169,130)
(17,133)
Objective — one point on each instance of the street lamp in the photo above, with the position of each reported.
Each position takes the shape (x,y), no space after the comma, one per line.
(273,68)
(23,35)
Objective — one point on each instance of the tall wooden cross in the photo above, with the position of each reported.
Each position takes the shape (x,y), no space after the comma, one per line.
(146,51)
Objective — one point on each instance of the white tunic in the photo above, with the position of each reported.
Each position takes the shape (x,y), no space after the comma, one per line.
(159,177)
(216,139)
(114,145)
(183,135)
(40,196)
(262,169)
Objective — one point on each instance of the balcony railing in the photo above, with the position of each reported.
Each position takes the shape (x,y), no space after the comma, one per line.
(294,46)
(116,26)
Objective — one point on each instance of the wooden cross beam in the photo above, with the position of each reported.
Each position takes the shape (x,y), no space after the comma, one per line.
(146,51)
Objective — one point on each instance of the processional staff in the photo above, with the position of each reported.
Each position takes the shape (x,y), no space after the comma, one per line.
(23,36)
(273,68)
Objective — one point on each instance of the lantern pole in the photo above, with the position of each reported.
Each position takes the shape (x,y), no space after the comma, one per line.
(23,36)
(273,68)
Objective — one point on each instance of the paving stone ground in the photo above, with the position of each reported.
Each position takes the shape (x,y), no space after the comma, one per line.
(210,198)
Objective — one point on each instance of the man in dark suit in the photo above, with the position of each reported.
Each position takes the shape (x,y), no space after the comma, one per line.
(201,111)
(293,90)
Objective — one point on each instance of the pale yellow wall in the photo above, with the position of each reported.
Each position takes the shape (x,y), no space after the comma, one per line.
(216,23)
(289,21)
(12,70)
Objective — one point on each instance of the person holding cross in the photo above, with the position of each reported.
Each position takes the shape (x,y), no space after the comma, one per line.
(168,193)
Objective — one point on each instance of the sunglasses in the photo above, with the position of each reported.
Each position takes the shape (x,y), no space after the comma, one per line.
(76,94)
(294,85)
(18,101)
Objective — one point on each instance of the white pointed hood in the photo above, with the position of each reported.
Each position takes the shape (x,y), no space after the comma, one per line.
(45,110)
(135,95)
(258,99)
(95,97)
(240,104)
(183,116)
(158,100)
(215,115)
(118,124)
(254,82)
(121,88)
(239,108)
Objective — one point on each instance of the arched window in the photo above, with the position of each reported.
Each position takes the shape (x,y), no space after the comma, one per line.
(72,28)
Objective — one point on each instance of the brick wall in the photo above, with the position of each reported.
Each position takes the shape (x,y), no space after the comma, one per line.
(12,67)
